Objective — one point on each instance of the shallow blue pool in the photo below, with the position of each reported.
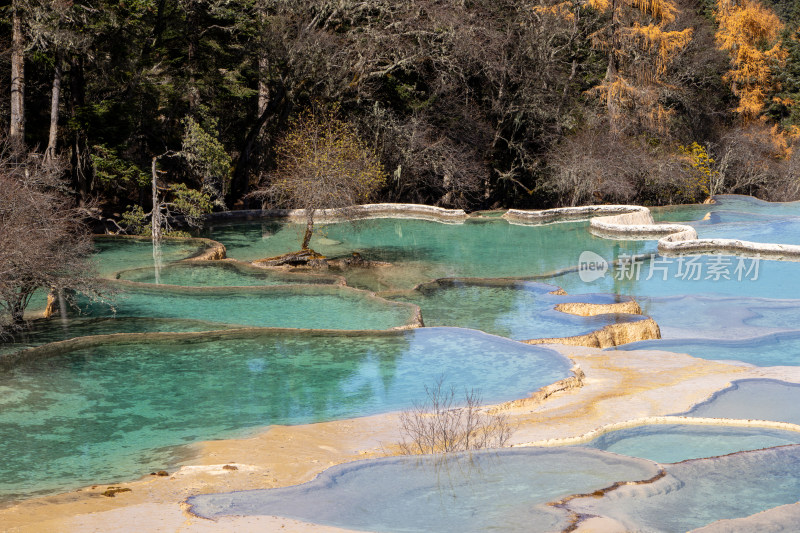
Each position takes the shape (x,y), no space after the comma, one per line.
(759,399)
(671,443)
(483,491)
(779,349)
(521,310)
(697,493)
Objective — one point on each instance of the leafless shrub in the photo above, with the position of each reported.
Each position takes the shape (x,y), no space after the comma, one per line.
(594,166)
(787,187)
(438,425)
(597,166)
(430,166)
(43,241)
(748,159)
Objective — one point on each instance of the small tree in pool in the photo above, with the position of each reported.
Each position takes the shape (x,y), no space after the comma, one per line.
(322,163)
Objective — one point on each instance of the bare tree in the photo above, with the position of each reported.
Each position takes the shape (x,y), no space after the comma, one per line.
(322,163)
(748,159)
(597,166)
(16,132)
(594,166)
(438,425)
(43,241)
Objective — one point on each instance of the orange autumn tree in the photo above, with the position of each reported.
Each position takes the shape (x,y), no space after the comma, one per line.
(750,34)
(640,46)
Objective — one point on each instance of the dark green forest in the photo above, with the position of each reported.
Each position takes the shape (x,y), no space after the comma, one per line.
(467,103)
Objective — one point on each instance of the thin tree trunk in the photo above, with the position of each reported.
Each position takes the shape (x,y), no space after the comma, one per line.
(81,163)
(193,38)
(17,130)
(158,32)
(17,314)
(309,229)
(155,219)
(263,83)
(55,101)
(18,306)
(612,70)
(155,224)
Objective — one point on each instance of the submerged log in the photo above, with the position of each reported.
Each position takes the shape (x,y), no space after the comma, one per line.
(305,257)
(313,260)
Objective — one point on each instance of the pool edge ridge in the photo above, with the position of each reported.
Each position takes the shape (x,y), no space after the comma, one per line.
(609,335)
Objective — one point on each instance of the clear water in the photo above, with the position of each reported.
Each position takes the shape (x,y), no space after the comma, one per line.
(757,399)
(680,213)
(483,491)
(522,310)
(114,411)
(696,493)
(219,274)
(738,217)
(102,413)
(708,308)
(316,307)
(423,250)
(725,204)
(747,227)
(724,318)
(44,331)
(671,443)
(767,279)
(780,349)
(115,254)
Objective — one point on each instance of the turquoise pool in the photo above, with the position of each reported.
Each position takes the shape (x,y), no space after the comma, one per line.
(220,274)
(115,410)
(521,310)
(758,399)
(304,306)
(725,204)
(421,250)
(115,254)
(778,349)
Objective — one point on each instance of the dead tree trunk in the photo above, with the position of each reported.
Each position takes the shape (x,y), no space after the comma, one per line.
(309,229)
(155,219)
(55,101)
(81,162)
(16,131)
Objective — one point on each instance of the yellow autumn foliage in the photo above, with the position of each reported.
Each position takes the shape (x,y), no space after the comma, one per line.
(323,163)
(784,140)
(600,5)
(704,173)
(749,32)
(661,10)
(562,10)
(662,44)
